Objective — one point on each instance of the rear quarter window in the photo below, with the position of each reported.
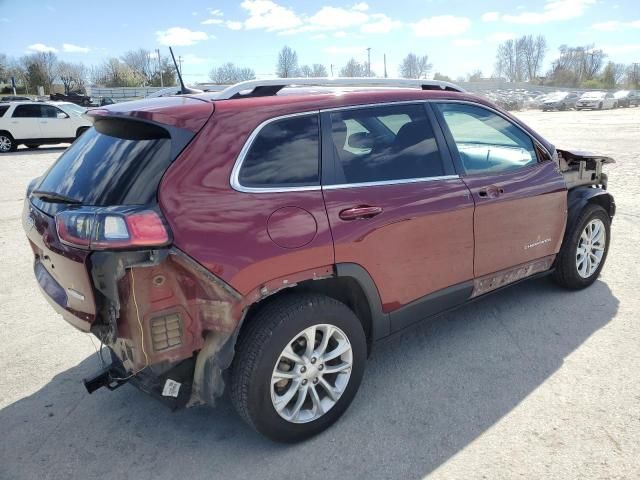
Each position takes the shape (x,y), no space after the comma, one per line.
(3,109)
(284,153)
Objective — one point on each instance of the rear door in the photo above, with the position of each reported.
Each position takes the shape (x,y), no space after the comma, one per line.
(519,194)
(25,121)
(397,208)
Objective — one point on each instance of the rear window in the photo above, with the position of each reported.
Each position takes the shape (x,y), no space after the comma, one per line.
(3,108)
(285,153)
(115,163)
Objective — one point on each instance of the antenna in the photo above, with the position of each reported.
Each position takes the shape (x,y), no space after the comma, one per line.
(183,90)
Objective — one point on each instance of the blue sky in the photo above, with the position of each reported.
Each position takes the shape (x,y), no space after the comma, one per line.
(458,36)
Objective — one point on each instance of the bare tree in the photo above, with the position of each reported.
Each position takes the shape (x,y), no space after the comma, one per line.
(414,66)
(353,68)
(576,65)
(40,70)
(142,62)
(4,67)
(316,70)
(287,63)
(228,73)
(632,75)
(533,50)
(72,75)
(509,60)
(474,76)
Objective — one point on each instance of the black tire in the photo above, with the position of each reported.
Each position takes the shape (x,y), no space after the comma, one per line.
(566,272)
(259,348)
(600,106)
(32,145)
(563,107)
(7,143)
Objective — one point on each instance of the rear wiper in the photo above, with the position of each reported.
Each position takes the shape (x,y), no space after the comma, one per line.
(54,197)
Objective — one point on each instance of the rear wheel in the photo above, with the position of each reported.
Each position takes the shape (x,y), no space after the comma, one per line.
(585,249)
(298,366)
(7,143)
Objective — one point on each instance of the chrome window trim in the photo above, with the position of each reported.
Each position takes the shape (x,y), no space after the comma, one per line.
(389,182)
(235,172)
(236,185)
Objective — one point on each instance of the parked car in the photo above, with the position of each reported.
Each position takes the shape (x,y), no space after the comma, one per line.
(38,123)
(14,98)
(559,101)
(263,243)
(627,98)
(596,100)
(73,97)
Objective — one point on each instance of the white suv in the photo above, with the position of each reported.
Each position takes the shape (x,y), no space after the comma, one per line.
(38,123)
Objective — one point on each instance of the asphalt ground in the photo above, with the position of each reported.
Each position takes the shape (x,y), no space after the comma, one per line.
(532,382)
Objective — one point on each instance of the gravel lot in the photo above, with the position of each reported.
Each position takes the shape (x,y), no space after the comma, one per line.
(533,382)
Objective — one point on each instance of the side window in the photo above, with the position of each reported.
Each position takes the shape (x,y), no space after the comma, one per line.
(487,142)
(285,153)
(27,111)
(384,144)
(3,109)
(50,111)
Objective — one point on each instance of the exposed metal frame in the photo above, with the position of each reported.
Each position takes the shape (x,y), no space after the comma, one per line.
(256,88)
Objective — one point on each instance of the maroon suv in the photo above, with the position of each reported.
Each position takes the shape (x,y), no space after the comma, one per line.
(266,236)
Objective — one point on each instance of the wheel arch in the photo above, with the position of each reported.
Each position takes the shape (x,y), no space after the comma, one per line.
(580,197)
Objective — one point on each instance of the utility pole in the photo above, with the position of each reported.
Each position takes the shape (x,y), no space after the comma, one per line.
(180,63)
(368,61)
(160,67)
(332,69)
(385,65)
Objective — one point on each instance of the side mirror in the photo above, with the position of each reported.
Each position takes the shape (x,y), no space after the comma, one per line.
(62,115)
(362,140)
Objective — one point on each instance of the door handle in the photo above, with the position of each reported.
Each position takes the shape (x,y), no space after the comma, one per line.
(360,213)
(490,192)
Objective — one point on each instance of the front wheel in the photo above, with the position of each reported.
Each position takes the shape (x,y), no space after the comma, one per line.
(585,249)
(298,366)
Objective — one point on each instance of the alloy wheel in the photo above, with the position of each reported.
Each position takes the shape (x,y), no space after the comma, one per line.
(5,143)
(591,248)
(311,373)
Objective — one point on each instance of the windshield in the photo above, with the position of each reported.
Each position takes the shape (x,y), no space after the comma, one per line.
(72,108)
(593,95)
(556,96)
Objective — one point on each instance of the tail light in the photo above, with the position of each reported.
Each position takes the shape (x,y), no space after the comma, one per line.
(111,228)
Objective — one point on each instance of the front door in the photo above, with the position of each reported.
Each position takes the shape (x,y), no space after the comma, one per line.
(25,121)
(395,205)
(520,198)
(55,123)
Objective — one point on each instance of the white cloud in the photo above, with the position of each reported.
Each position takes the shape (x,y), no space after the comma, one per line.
(554,10)
(441,26)
(212,21)
(71,48)
(231,25)
(380,23)
(362,7)
(267,15)
(41,47)
(180,36)
(501,36)
(340,34)
(613,25)
(490,16)
(273,17)
(466,42)
(622,48)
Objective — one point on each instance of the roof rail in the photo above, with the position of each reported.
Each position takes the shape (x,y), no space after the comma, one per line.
(265,88)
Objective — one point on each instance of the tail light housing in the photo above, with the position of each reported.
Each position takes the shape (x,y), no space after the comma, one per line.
(99,228)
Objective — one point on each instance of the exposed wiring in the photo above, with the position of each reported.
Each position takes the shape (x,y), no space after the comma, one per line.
(135,303)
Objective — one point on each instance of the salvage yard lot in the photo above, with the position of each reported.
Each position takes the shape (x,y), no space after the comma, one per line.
(533,381)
